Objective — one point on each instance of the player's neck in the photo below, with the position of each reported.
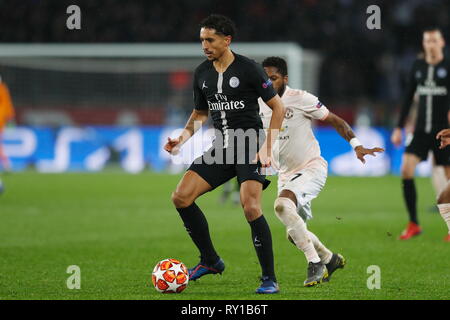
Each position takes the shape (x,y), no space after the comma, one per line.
(222,63)
(434,59)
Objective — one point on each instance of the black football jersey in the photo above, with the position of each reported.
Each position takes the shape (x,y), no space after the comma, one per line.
(432,84)
(232,96)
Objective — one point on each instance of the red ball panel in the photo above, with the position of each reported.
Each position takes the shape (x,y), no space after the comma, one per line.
(175,261)
(162,285)
(169,275)
(181,278)
(181,288)
(165,265)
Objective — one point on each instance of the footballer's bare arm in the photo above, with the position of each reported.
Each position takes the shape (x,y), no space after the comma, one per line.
(195,121)
(278,110)
(345,131)
(341,126)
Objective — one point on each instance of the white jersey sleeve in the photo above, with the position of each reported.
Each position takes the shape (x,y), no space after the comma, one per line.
(311,107)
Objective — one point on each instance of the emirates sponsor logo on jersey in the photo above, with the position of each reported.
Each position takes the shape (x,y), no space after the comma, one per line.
(226,105)
(431,90)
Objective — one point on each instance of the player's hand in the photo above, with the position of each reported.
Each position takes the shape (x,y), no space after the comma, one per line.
(361,152)
(264,156)
(172,146)
(444,136)
(396,137)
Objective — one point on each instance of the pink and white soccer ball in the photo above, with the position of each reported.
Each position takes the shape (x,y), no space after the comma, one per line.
(170,276)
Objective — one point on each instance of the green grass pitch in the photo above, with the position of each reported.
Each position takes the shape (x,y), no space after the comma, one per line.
(116,227)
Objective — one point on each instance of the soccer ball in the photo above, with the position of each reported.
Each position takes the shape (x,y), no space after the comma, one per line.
(170,276)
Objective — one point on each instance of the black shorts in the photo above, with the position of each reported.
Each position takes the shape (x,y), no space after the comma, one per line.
(217,173)
(422,143)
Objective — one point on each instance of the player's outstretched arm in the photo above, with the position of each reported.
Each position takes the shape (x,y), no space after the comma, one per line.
(345,131)
(444,136)
(265,153)
(196,120)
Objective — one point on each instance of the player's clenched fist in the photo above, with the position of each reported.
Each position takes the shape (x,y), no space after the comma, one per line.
(444,136)
(264,156)
(396,137)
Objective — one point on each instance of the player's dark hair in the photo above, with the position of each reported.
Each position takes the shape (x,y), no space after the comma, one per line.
(222,24)
(278,63)
(432,29)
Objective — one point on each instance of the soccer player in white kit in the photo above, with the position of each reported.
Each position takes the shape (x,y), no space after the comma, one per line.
(302,171)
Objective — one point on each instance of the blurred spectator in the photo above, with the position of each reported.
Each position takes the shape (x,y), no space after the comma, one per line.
(6,115)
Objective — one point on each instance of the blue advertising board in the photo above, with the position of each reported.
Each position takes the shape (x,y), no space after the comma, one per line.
(141,148)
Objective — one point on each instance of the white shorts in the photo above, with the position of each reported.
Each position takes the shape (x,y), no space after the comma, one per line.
(306,184)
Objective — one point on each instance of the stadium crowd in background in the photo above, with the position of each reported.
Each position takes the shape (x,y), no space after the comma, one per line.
(376,59)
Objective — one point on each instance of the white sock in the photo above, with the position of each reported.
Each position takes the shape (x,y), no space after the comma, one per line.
(444,209)
(286,211)
(324,253)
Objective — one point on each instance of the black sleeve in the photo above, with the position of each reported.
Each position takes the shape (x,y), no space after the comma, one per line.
(408,97)
(261,82)
(448,87)
(199,97)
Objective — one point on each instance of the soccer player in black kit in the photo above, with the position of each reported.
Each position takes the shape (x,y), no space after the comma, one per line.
(430,80)
(227,85)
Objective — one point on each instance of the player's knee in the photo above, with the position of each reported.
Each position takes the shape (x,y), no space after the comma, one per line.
(283,205)
(444,197)
(252,210)
(286,210)
(407,172)
(180,199)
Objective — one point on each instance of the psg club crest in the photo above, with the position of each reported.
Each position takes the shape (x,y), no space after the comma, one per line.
(234,82)
(442,73)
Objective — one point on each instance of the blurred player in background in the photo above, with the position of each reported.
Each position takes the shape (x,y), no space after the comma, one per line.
(443,201)
(430,79)
(6,115)
(302,171)
(228,86)
(230,191)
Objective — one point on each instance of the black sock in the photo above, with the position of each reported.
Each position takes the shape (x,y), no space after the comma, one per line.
(409,193)
(196,225)
(262,241)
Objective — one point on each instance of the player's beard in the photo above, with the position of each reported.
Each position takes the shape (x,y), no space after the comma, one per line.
(281,90)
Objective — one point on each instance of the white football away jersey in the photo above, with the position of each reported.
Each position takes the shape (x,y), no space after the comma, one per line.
(296,146)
